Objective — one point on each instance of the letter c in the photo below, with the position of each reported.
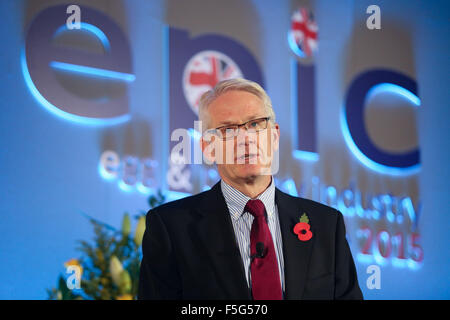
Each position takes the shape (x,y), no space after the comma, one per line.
(353,125)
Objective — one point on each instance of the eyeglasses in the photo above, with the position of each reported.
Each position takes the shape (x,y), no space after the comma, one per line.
(231,131)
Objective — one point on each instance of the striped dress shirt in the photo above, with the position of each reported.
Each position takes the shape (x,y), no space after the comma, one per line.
(242,224)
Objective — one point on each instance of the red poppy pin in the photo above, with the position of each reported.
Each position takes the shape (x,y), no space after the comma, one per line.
(302,229)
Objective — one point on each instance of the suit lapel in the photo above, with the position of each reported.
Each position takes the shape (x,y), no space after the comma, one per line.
(216,231)
(296,253)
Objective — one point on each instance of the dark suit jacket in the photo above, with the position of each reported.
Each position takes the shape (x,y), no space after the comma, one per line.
(190,252)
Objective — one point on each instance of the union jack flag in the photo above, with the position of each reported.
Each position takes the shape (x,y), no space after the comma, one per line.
(304,31)
(203,72)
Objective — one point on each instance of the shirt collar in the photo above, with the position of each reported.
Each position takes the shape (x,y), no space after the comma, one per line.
(236,200)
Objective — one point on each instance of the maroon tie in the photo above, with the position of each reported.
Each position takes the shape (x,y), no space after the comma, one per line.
(264,267)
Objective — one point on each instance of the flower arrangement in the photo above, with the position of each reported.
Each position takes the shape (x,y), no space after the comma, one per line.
(109,268)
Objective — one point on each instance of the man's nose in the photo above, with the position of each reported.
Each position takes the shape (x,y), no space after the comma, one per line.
(246,137)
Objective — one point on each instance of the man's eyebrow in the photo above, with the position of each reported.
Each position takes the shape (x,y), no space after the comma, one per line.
(226,122)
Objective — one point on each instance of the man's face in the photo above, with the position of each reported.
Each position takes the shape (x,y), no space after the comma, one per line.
(248,154)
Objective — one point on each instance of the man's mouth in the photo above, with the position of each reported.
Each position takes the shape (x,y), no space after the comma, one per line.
(247,157)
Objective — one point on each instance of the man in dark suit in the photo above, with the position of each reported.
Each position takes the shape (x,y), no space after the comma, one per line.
(244,238)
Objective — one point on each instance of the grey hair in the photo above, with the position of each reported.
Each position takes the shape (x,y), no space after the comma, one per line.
(228,85)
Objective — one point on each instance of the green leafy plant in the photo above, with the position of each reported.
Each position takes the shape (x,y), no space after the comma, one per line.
(109,267)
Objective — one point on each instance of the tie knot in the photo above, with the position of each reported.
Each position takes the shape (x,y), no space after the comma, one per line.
(255,207)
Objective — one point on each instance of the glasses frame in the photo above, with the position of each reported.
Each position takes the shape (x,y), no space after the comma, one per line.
(239,126)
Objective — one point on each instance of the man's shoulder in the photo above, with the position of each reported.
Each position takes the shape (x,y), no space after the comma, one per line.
(181,205)
(309,206)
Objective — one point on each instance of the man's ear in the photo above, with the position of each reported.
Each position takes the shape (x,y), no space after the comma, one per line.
(275,134)
(207,146)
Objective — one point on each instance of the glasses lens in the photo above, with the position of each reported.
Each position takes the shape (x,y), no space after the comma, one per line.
(227,132)
(257,124)
(232,131)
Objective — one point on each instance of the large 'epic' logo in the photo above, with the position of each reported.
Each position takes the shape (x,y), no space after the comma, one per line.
(195,65)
